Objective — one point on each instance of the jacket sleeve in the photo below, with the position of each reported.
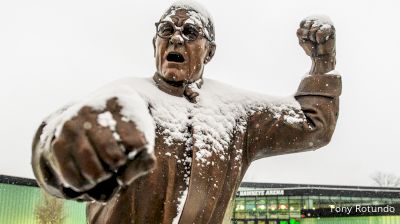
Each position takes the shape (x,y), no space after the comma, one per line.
(307,127)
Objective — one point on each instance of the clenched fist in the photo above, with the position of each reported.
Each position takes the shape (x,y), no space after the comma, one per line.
(99,151)
(316,36)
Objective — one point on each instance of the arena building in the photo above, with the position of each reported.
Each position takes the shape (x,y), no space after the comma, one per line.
(255,203)
(265,203)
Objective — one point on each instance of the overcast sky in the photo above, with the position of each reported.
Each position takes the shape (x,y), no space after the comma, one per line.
(52,52)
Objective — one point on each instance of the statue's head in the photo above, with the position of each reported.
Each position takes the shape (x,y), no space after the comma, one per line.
(184,42)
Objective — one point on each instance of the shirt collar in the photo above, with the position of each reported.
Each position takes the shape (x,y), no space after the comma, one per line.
(188,90)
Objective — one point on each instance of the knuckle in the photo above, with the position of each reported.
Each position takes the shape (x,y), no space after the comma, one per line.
(69,125)
(70,177)
(113,105)
(114,157)
(302,22)
(59,149)
(110,153)
(116,161)
(86,110)
(91,170)
(102,145)
(84,152)
(150,161)
(95,176)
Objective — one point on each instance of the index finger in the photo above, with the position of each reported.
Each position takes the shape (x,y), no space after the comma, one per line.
(131,137)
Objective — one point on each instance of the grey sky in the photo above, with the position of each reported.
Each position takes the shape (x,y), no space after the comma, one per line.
(52,52)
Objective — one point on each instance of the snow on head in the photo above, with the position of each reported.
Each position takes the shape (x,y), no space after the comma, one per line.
(197,15)
(191,5)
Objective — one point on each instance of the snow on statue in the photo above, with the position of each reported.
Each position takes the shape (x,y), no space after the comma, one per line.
(174,148)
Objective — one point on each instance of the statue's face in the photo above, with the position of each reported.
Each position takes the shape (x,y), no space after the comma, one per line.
(180,55)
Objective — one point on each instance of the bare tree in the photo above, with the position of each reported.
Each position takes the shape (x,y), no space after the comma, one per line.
(49,210)
(386,179)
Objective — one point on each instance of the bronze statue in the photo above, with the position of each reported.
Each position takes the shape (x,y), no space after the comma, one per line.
(174,148)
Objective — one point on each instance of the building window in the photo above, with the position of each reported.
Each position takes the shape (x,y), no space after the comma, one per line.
(295,206)
(311,202)
(272,208)
(239,211)
(261,206)
(250,207)
(327,202)
(283,207)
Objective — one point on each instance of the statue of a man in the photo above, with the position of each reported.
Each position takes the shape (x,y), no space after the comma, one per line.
(174,148)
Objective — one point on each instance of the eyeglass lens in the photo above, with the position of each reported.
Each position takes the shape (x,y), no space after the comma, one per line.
(167,29)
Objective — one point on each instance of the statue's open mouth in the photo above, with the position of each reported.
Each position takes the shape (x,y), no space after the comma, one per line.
(175,57)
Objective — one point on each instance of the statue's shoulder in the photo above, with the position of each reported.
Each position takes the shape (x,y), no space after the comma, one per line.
(138,83)
(218,87)
(226,92)
(144,86)
(225,95)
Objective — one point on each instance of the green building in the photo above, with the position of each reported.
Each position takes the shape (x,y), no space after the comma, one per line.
(22,202)
(263,203)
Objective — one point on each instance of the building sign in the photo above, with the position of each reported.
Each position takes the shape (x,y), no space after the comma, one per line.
(270,192)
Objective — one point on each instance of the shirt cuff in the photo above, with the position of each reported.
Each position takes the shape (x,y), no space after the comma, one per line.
(320,85)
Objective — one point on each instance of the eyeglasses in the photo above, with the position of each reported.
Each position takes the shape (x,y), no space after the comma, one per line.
(189,32)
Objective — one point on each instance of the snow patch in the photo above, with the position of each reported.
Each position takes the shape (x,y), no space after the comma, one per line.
(198,15)
(333,72)
(220,112)
(106,120)
(320,20)
(181,203)
(209,124)
(134,109)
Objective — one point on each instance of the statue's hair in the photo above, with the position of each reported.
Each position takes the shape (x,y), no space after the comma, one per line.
(197,11)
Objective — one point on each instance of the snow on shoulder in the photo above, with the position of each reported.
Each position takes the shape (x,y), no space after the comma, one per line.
(220,113)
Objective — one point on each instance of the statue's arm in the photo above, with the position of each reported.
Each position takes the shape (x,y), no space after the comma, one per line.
(44,173)
(311,123)
(88,150)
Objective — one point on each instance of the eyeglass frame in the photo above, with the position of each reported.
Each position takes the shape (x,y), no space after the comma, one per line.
(180,29)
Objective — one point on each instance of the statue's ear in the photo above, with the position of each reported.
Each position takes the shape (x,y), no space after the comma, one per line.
(211,51)
(154,45)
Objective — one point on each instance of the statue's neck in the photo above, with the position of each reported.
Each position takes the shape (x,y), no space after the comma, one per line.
(182,88)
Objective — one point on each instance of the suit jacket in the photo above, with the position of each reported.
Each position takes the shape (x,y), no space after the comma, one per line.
(203,149)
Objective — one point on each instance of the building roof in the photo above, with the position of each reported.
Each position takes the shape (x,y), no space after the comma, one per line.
(289,189)
(326,190)
(4,179)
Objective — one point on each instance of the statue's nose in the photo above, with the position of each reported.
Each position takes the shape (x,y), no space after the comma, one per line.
(176,39)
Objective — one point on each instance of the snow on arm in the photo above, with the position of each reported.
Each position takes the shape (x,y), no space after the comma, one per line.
(134,108)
